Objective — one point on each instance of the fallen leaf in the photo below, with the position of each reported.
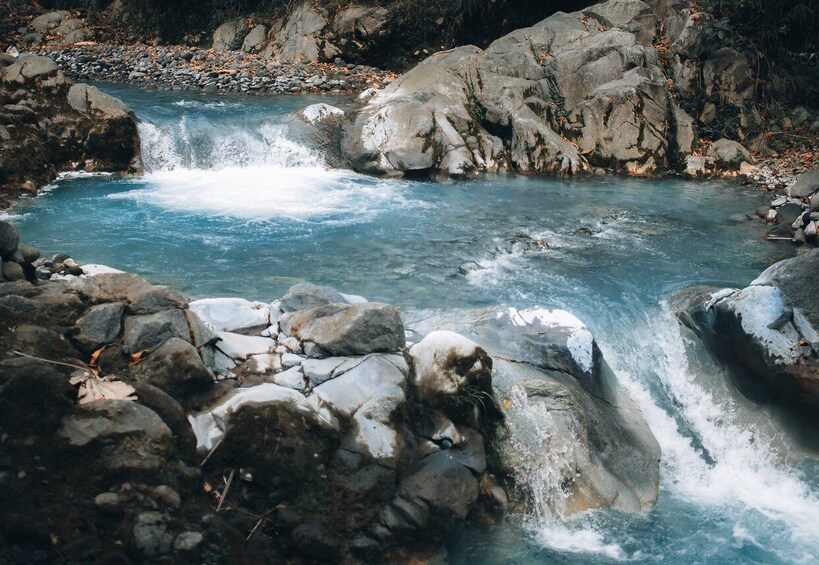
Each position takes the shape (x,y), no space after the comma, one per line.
(138,357)
(93,388)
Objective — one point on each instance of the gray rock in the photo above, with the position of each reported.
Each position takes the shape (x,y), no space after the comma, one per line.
(48,21)
(152,535)
(108,501)
(304,296)
(806,184)
(187,541)
(229,35)
(30,67)
(30,254)
(156,299)
(770,328)
(176,368)
(100,325)
(370,396)
(9,239)
(109,419)
(346,329)
(151,330)
(254,41)
(729,153)
(548,367)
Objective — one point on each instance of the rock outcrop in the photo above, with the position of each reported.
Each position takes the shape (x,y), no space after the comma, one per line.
(574,92)
(770,330)
(577,92)
(301,430)
(571,430)
(49,125)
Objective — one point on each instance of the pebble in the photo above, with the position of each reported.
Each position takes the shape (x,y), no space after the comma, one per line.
(183,68)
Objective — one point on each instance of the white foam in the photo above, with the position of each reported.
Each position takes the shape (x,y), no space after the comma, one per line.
(267,192)
(582,540)
(745,475)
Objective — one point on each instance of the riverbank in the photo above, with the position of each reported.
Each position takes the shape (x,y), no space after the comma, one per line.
(185,68)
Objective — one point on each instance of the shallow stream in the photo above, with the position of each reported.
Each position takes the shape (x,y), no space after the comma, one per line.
(231,207)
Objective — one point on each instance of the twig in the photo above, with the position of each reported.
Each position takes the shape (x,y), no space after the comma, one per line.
(227,489)
(86,369)
(214,448)
(262,518)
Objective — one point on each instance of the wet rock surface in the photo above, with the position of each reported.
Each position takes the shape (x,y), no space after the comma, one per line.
(768,328)
(234,430)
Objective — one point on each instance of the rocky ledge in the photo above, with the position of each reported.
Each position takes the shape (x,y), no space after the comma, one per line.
(768,329)
(621,86)
(137,425)
(49,125)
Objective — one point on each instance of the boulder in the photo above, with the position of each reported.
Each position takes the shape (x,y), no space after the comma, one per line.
(548,374)
(230,35)
(254,40)
(77,127)
(346,329)
(589,80)
(370,395)
(176,368)
(806,184)
(231,314)
(449,369)
(304,296)
(770,329)
(301,37)
(9,240)
(155,299)
(47,22)
(729,154)
(100,325)
(152,330)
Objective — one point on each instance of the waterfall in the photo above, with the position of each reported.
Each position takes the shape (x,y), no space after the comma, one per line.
(195,143)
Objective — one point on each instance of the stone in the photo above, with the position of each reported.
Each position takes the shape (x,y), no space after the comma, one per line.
(254,41)
(346,329)
(100,325)
(187,541)
(447,366)
(107,419)
(107,501)
(806,184)
(300,39)
(788,214)
(13,271)
(151,330)
(370,395)
(156,299)
(814,203)
(48,21)
(230,35)
(304,296)
(9,240)
(152,536)
(729,153)
(240,347)
(210,426)
(231,314)
(176,368)
(168,496)
(770,328)
(320,370)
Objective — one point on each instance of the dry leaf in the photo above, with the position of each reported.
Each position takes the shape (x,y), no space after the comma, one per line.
(93,388)
(138,357)
(507,404)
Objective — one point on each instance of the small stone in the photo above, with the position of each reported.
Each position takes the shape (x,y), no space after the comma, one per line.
(799,237)
(108,501)
(811,230)
(13,271)
(169,496)
(762,211)
(187,541)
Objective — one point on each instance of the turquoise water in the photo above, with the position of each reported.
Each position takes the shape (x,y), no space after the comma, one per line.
(233,206)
